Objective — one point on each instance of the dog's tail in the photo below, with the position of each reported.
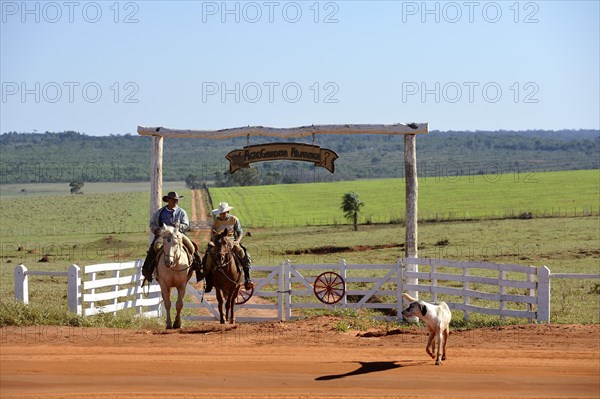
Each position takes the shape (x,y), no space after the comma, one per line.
(409,298)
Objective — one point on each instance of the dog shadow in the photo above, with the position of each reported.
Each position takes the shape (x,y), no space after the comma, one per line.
(369,367)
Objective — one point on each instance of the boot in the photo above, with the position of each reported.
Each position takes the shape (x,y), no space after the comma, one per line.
(149,264)
(208,284)
(208,273)
(246,262)
(197,266)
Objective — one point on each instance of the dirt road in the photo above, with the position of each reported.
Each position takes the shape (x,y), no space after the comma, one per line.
(300,359)
(199,217)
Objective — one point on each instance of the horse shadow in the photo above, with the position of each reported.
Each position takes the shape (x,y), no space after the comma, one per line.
(368,367)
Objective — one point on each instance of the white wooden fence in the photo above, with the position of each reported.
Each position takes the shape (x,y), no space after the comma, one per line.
(519,291)
(112,287)
(21,281)
(103,288)
(284,290)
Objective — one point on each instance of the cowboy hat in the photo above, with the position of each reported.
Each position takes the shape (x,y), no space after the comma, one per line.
(223,207)
(173,195)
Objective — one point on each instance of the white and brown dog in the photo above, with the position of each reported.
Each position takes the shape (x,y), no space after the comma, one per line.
(437,319)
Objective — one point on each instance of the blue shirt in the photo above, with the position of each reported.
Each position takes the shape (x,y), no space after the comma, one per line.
(168,217)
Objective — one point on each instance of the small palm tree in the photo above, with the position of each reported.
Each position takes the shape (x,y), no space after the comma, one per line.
(351,205)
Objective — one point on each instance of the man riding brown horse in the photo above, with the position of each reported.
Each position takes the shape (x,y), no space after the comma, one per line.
(225,221)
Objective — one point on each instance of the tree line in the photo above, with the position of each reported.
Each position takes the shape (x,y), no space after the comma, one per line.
(73,156)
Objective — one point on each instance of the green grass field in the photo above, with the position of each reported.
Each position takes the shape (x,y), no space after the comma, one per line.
(450,198)
(103,226)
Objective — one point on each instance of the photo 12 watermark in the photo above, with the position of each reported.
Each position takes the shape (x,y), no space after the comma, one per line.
(471,92)
(513,252)
(270,92)
(70,92)
(453,12)
(252,12)
(56,172)
(53,12)
(474,172)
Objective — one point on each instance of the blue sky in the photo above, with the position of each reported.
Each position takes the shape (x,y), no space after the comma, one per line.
(105,67)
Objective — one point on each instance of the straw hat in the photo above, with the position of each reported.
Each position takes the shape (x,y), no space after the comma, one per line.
(223,207)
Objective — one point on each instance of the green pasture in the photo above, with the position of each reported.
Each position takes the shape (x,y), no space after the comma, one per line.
(44,189)
(105,226)
(571,193)
(50,210)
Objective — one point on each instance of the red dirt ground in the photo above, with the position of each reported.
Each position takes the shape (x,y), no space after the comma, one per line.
(298,359)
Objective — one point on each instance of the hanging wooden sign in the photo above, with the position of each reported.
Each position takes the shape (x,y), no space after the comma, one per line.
(322,157)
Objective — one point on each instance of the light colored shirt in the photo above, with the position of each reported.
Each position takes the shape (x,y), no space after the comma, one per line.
(231,223)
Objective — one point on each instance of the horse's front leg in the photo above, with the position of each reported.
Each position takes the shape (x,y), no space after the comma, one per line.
(220,301)
(229,311)
(166,295)
(179,306)
(231,306)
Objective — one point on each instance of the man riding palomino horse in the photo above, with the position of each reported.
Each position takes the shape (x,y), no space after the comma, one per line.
(222,221)
(170,215)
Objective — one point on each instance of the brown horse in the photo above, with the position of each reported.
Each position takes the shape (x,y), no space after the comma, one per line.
(226,275)
(173,270)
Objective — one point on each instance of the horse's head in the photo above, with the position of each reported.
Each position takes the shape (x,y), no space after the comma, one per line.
(172,241)
(223,246)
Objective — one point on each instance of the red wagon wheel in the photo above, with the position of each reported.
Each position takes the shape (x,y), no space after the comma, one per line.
(243,295)
(329,287)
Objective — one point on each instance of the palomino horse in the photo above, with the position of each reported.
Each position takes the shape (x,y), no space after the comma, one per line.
(227,277)
(173,270)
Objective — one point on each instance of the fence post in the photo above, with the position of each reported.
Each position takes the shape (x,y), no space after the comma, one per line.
(281,290)
(543,310)
(74,289)
(138,291)
(466,299)
(502,278)
(21,284)
(531,279)
(344,277)
(412,265)
(399,288)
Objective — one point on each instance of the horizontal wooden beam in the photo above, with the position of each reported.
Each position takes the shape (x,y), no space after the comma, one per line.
(302,131)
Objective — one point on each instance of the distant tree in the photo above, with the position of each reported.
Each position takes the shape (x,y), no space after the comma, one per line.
(246,177)
(351,205)
(76,187)
(193,182)
(242,177)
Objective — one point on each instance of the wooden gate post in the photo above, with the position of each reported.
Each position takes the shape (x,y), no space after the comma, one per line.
(156,174)
(412,194)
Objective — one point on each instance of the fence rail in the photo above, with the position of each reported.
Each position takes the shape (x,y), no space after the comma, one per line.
(112,287)
(282,292)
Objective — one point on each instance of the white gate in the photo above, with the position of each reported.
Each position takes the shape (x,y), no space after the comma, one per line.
(266,303)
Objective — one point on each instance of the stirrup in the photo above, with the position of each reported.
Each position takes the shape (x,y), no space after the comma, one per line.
(248,285)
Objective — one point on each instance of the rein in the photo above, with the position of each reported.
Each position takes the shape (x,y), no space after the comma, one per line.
(221,267)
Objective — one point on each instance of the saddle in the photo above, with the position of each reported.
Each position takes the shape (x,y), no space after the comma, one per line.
(186,249)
